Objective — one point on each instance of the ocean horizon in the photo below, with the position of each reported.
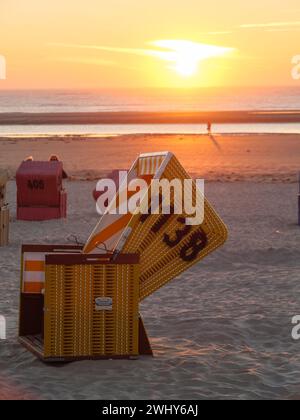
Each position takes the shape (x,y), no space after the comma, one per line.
(149,100)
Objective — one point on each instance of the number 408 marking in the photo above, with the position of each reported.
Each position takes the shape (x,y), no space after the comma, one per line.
(36,184)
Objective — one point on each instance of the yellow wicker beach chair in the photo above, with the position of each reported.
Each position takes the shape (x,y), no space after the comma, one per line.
(84,303)
(83,307)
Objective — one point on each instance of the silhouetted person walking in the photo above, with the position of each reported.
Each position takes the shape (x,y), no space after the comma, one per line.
(209,128)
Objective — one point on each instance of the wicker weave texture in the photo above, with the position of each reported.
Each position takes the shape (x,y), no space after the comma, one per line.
(160,263)
(73,325)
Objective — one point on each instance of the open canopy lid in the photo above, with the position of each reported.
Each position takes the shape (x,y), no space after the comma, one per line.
(110,228)
(166,244)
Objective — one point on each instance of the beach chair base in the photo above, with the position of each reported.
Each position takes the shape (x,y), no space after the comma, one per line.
(35,344)
(38,214)
(60,318)
(4,226)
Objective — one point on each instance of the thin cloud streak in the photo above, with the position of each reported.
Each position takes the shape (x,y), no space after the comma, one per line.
(172,49)
(80,60)
(90,61)
(218,33)
(283,30)
(135,51)
(269,25)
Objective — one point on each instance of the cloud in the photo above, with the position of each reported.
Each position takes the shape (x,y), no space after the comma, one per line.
(217,33)
(83,60)
(183,56)
(283,30)
(269,25)
(134,51)
(169,50)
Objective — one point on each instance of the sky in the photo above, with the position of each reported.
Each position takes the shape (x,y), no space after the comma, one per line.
(142,43)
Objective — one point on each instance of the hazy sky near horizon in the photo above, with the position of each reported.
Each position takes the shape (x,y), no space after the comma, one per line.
(97,43)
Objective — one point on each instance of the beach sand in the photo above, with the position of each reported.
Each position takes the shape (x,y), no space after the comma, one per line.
(223,158)
(221,330)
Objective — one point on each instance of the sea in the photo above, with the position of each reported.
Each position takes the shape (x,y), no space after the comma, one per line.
(166,100)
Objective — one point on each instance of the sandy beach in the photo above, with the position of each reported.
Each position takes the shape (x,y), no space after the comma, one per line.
(230,337)
(223,158)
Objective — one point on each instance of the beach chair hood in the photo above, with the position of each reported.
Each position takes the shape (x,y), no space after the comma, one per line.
(166,245)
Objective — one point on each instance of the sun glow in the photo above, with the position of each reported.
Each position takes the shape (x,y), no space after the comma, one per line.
(186,68)
(172,63)
(187,55)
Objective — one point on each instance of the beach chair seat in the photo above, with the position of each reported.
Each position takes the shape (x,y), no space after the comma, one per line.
(40,193)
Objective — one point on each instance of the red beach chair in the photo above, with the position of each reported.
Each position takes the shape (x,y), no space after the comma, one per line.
(40,193)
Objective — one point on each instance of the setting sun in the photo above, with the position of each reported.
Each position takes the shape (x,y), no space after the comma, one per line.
(186,69)
(186,55)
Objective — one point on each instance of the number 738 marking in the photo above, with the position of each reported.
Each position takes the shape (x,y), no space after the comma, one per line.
(191,250)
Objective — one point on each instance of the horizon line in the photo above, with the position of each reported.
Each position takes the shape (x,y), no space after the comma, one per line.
(124,88)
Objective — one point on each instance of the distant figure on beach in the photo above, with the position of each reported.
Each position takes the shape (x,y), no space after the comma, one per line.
(209,128)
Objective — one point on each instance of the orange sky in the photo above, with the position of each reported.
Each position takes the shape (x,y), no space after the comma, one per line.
(97,43)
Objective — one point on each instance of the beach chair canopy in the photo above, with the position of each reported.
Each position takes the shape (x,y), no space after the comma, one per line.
(166,245)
